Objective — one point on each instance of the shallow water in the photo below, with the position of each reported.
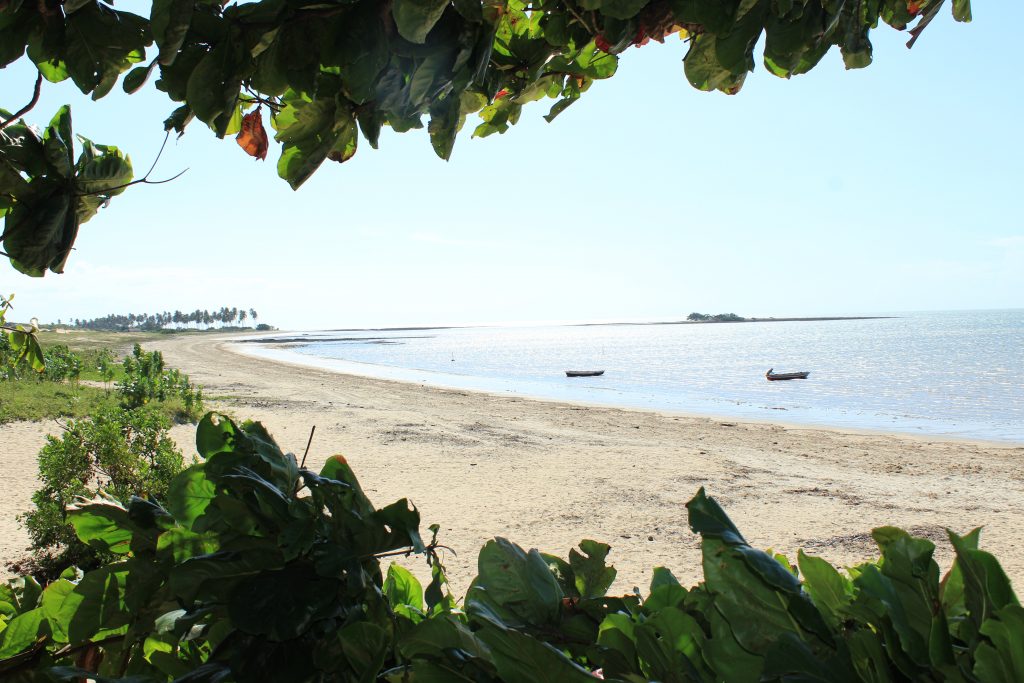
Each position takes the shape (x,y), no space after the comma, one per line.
(955,374)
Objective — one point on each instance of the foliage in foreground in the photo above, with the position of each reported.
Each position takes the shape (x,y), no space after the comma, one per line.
(18,343)
(122,453)
(331,73)
(257,569)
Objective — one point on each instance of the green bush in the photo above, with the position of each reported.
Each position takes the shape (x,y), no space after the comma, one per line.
(256,569)
(122,452)
(146,379)
(104,364)
(62,364)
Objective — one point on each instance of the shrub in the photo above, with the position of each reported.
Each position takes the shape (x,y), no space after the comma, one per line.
(104,362)
(62,364)
(260,570)
(146,379)
(125,453)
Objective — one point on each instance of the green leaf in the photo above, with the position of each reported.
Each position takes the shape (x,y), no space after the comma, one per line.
(224,568)
(445,117)
(513,585)
(312,132)
(829,590)
(53,599)
(402,589)
(189,494)
(101,44)
(726,656)
(40,229)
(103,526)
(962,10)
(96,607)
(169,23)
(183,544)
(622,9)
(103,171)
(593,576)
(137,78)
(703,69)
(58,143)
(707,518)
(415,18)
(1002,658)
(986,586)
(20,633)
(438,634)
(213,87)
(522,659)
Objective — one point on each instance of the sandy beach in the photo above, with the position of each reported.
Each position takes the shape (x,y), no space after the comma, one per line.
(548,474)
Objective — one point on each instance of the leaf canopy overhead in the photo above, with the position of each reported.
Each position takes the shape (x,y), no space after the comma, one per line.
(332,72)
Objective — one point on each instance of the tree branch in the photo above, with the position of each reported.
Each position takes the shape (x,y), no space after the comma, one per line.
(28,107)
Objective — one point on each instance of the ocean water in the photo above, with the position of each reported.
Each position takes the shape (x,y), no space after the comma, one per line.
(953,374)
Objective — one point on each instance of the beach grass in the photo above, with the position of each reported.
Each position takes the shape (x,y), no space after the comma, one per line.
(33,401)
(94,340)
(30,399)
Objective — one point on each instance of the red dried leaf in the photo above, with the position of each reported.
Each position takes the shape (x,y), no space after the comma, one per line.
(253,138)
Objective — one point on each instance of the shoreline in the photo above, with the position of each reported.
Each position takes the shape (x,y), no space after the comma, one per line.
(547,474)
(325,364)
(280,348)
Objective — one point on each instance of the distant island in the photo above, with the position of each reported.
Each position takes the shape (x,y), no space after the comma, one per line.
(733,318)
(717,318)
(702,318)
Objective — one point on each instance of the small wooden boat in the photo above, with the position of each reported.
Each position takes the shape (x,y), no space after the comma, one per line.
(584,373)
(772,376)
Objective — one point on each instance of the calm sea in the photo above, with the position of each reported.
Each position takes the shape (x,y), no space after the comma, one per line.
(955,374)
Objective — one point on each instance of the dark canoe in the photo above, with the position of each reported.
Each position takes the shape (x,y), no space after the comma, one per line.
(584,373)
(772,376)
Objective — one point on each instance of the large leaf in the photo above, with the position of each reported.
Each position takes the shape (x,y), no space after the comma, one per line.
(1001,659)
(415,18)
(986,586)
(214,84)
(522,659)
(41,228)
(514,585)
(101,44)
(103,525)
(593,576)
(189,494)
(169,22)
(312,132)
(102,170)
(829,590)
(96,607)
(21,632)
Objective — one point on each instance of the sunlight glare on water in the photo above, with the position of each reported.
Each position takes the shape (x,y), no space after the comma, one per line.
(948,373)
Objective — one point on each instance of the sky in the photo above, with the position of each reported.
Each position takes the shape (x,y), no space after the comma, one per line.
(892,188)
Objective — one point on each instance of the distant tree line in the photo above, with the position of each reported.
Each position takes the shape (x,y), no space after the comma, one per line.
(717,318)
(197,319)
